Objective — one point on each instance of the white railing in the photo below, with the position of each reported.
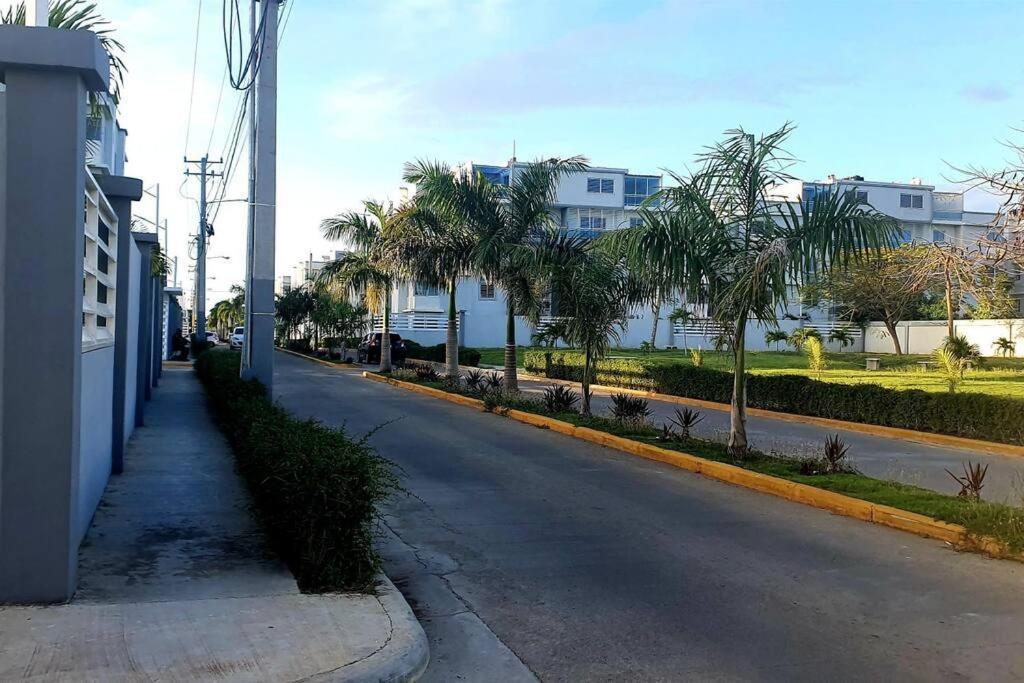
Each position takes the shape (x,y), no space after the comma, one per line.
(700,326)
(414,321)
(99,265)
(827,328)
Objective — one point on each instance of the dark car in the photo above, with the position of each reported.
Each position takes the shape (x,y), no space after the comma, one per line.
(369,349)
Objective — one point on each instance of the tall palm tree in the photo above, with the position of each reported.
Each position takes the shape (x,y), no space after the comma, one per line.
(434,246)
(729,245)
(595,293)
(75,15)
(366,270)
(508,222)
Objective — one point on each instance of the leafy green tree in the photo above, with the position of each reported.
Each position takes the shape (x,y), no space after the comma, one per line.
(879,287)
(508,223)
(292,311)
(993,296)
(728,244)
(367,270)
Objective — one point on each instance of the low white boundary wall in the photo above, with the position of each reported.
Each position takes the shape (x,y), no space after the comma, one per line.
(924,336)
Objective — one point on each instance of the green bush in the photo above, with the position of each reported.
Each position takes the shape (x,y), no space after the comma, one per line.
(970,415)
(316,490)
(467,354)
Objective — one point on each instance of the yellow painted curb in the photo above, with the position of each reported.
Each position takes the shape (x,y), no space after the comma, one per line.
(991,447)
(330,364)
(837,503)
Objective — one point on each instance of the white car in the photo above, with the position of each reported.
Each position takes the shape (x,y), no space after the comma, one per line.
(212,338)
(237,338)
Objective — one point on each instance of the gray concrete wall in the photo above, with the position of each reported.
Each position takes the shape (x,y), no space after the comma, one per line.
(132,339)
(96,437)
(3,247)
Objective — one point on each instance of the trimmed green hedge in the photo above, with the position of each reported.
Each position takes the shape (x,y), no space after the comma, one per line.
(971,415)
(467,354)
(316,490)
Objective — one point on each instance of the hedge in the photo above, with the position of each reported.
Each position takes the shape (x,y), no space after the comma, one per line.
(467,354)
(316,490)
(970,415)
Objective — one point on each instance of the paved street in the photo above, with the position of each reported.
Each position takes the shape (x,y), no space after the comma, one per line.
(919,464)
(530,553)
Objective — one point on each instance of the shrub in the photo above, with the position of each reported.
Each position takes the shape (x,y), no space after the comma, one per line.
(426,373)
(815,355)
(834,455)
(493,381)
(696,357)
(316,490)
(977,416)
(629,409)
(560,399)
(973,480)
(404,375)
(474,380)
(685,420)
(298,345)
(467,354)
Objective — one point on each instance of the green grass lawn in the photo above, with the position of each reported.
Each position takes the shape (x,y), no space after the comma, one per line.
(998,376)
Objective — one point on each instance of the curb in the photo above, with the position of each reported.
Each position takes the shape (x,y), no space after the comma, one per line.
(328,363)
(405,656)
(837,503)
(931,438)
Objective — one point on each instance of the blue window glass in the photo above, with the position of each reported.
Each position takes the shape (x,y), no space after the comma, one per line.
(938,236)
(593,184)
(607,186)
(630,185)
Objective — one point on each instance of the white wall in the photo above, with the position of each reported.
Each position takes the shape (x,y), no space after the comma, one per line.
(924,336)
(572,190)
(95,434)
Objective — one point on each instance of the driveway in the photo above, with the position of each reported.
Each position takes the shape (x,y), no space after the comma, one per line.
(528,553)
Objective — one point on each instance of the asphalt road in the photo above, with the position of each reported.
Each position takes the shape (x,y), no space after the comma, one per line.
(531,553)
(919,464)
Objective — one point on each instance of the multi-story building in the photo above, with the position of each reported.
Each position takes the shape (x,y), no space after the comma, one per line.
(304,272)
(604,198)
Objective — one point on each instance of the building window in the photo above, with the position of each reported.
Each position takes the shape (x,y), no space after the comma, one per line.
(592,222)
(424,289)
(601,185)
(486,290)
(911,201)
(858,196)
(640,188)
(94,128)
(906,237)
(938,236)
(636,222)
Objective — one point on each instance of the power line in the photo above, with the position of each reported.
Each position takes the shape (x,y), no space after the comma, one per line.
(216,111)
(192,88)
(231,20)
(284,24)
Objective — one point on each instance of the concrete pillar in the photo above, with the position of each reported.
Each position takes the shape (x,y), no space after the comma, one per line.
(47,73)
(121,192)
(145,378)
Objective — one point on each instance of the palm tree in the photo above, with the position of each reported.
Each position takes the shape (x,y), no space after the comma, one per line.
(434,246)
(509,222)
(1005,347)
(228,313)
(841,335)
(75,15)
(682,316)
(776,336)
(729,245)
(366,270)
(595,293)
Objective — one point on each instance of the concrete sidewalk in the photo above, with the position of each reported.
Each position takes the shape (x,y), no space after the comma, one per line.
(177,582)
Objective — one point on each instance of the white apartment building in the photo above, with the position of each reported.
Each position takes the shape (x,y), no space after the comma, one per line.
(304,272)
(605,198)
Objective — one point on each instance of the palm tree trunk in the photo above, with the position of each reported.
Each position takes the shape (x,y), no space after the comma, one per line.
(385,337)
(738,410)
(586,382)
(451,346)
(655,309)
(511,377)
(949,304)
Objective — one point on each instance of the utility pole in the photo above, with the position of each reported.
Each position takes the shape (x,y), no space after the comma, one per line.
(202,231)
(258,360)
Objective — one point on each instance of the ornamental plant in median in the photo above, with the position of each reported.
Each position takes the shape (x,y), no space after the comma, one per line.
(723,242)
(815,355)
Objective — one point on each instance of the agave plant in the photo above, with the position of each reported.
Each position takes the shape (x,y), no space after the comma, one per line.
(560,399)
(629,409)
(494,382)
(686,419)
(426,373)
(972,481)
(81,15)
(834,455)
(474,379)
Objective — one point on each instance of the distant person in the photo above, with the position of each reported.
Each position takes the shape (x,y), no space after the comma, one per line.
(179,346)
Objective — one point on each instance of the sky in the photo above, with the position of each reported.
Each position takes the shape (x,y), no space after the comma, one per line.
(889,90)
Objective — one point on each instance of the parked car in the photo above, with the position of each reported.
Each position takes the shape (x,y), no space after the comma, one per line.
(237,338)
(212,338)
(369,349)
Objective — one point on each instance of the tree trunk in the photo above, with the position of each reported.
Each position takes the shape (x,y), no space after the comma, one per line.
(891,327)
(385,337)
(655,309)
(949,305)
(511,376)
(451,345)
(738,410)
(586,382)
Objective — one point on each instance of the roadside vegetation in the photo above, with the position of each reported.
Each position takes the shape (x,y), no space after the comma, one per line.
(829,469)
(316,489)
